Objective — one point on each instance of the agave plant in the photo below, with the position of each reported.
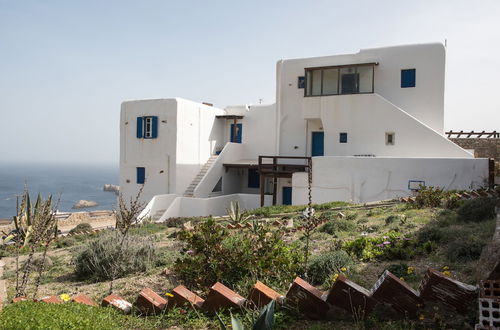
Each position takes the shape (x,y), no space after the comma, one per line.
(36,226)
(235,213)
(263,322)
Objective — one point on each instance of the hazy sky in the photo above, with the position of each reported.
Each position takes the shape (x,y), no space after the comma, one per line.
(65,66)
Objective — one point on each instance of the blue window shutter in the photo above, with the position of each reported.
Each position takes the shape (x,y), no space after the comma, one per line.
(139,128)
(141,175)
(154,132)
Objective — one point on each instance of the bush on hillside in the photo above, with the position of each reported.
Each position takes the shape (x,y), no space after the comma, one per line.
(336,225)
(321,267)
(464,250)
(477,210)
(215,255)
(102,259)
(81,228)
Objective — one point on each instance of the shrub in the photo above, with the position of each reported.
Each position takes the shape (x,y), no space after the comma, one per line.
(400,270)
(81,228)
(103,259)
(324,265)
(429,196)
(464,250)
(215,255)
(477,210)
(337,225)
(431,234)
(391,246)
(390,219)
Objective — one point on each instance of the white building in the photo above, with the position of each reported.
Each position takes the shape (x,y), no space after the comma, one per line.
(371,121)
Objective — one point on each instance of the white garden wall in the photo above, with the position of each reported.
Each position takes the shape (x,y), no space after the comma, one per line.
(366,179)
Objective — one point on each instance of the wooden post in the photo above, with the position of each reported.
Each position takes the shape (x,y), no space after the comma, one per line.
(275,180)
(262,182)
(491,173)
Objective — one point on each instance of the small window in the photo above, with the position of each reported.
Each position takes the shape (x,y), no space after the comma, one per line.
(253,178)
(141,175)
(343,137)
(301,82)
(389,139)
(408,77)
(147,127)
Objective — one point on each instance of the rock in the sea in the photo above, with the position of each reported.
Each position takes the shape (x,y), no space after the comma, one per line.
(84,203)
(111,187)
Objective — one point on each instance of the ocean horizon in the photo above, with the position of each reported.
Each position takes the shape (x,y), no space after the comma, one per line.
(67,183)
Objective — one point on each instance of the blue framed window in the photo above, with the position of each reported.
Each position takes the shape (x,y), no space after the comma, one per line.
(408,78)
(343,137)
(301,82)
(253,178)
(147,127)
(141,175)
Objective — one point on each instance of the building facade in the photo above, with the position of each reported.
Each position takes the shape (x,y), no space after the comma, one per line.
(372,123)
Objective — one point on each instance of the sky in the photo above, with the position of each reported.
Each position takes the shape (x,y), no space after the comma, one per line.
(66,66)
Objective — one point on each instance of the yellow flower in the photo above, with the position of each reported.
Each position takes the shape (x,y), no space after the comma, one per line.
(410,270)
(334,277)
(402,278)
(446,268)
(168,294)
(65,297)
(343,269)
(447,273)
(421,317)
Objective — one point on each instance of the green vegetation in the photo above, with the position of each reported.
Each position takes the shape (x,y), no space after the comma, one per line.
(213,254)
(443,232)
(477,210)
(324,265)
(32,315)
(111,256)
(81,228)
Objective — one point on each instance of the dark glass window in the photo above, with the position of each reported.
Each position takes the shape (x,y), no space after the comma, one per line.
(334,80)
(343,137)
(253,178)
(301,82)
(408,78)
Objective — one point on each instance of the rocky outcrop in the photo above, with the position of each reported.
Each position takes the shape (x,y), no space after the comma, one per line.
(112,187)
(83,203)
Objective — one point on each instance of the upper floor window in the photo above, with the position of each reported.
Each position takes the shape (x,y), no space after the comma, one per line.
(408,78)
(344,79)
(147,127)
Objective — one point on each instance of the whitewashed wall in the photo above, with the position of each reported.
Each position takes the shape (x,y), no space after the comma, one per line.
(424,102)
(199,134)
(216,206)
(188,133)
(367,118)
(156,155)
(259,129)
(365,179)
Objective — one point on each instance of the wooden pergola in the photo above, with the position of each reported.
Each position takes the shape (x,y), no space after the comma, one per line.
(275,169)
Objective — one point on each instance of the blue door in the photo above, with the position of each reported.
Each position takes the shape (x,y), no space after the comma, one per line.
(238,133)
(287,195)
(318,143)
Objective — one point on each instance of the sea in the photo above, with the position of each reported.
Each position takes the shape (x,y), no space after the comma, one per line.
(67,183)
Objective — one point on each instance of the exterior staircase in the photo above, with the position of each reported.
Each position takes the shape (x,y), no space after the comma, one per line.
(190,190)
